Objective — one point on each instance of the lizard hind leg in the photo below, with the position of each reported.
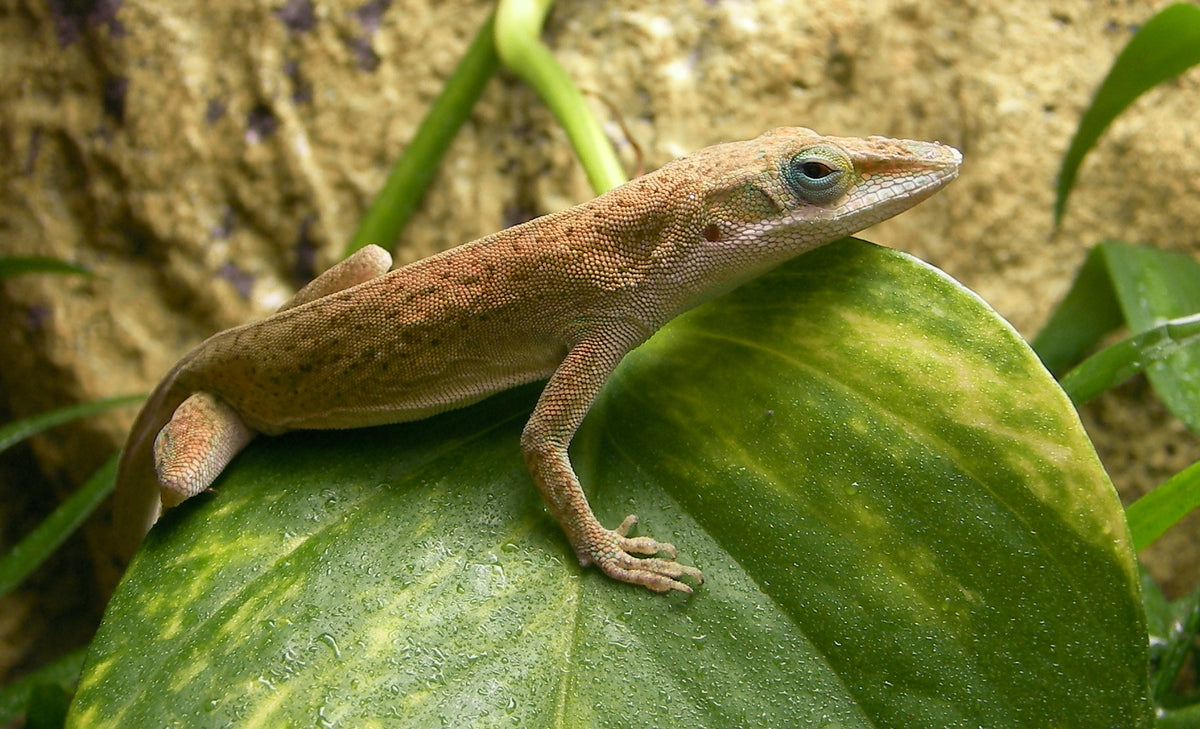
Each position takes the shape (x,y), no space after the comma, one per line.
(191,451)
(363,265)
(204,433)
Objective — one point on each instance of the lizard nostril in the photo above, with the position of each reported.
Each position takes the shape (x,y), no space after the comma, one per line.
(712,233)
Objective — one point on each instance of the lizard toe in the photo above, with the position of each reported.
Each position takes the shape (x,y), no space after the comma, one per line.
(640,545)
(615,557)
(657,575)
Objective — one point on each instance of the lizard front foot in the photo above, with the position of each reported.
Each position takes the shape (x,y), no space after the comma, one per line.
(612,552)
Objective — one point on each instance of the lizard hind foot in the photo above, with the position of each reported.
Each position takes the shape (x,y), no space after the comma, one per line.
(613,554)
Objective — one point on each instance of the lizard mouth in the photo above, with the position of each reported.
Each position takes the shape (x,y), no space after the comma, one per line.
(895,179)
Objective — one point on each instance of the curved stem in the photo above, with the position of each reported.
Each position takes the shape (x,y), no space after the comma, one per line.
(413,172)
(518,43)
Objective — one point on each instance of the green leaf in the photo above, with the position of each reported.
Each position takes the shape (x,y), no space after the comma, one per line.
(20,561)
(1157,294)
(1158,611)
(1180,643)
(47,707)
(1166,46)
(1152,285)
(901,522)
(1185,718)
(1155,286)
(1086,314)
(1163,507)
(17,265)
(15,697)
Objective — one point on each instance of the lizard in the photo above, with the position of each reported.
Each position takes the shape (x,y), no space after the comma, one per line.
(561,298)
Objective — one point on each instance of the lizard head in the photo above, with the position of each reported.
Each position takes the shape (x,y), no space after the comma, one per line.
(796,188)
(769,199)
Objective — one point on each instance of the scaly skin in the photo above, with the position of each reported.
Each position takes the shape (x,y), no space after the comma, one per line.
(563,297)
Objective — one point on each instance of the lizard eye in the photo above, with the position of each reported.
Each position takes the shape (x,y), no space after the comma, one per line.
(816,170)
(817,174)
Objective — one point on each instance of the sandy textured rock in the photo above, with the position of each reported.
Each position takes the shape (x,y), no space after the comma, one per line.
(205,159)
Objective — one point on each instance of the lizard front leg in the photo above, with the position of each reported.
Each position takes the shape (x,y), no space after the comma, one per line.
(559,411)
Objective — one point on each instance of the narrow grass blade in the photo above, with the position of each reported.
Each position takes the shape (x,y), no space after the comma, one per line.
(1181,642)
(62,672)
(15,432)
(17,265)
(1185,718)
(30,552)
(1166,46)
(1159,510)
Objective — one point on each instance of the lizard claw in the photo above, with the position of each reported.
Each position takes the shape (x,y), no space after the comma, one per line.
(613,552)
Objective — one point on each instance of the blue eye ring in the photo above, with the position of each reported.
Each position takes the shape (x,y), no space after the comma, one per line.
(817,174)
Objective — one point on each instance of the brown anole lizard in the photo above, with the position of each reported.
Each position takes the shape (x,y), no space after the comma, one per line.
(562,297)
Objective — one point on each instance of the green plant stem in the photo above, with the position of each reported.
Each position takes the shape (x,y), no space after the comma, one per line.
(1113,365)
(518,27)
(412,173)
(1185,718)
